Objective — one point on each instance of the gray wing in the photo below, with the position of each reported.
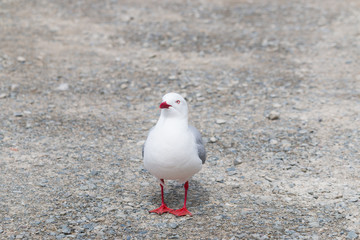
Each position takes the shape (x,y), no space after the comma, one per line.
(199,143)
(143,150)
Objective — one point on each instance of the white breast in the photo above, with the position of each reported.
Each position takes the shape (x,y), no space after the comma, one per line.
(171,154)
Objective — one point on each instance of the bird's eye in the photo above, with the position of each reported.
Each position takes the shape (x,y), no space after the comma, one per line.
(177,101)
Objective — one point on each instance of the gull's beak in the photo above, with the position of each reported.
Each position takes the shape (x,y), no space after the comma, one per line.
(164,105)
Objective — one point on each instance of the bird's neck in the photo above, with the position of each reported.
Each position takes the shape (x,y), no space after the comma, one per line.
(173,122)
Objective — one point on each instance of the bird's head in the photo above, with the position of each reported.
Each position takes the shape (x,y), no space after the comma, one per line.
(174,105)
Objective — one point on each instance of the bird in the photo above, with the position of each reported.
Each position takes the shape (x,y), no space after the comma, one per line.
(173,150)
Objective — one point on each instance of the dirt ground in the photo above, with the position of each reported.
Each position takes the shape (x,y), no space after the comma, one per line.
(274,87)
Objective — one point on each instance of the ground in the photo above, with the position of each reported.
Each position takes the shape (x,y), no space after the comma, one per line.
(274,87)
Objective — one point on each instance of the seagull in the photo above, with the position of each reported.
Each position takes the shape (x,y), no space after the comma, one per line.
(173,150)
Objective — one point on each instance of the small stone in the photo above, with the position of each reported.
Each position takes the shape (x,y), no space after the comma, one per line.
(1,231)
(21,59)
(84,187)
(128,199)
(92,186)
(89,226)
(353,199)
(173,225)
(220,179)
(276,105)
(273,115)
(220,121)
(63,87)
(176,236)
(50,220)
(60,236)
(28,125)
(351,235)
(14,87)
(3,95)
(285,144)
(276,190)
(144,184)
(65,229)
(18,114)
(314,224)
(273,142)
(124,86)
(231,171)
(237,161)
(269,179)
(213,139)
(126,18)
(94,173)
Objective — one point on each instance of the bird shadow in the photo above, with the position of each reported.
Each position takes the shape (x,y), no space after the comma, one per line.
(174,194)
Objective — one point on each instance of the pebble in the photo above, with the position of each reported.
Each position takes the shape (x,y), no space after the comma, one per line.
(18,114)
(89,226)
(314,224)
(273,115)
(3,95)
(237,161)
(338,196)
(351,235)
(220,121)
(65,229)
(220,179)
(231,171)
(173,225)
(213,139)
(285,143)
(273,141)
(21,59)
(14,87)
(353,199)
(269,179)
(50,220)
(172,236)
(63,87)
(60,236)
(276,105)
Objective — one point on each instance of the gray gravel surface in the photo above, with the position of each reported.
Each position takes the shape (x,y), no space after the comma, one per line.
(274,86)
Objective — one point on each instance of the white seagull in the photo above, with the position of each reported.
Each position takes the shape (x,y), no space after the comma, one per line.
(173,149)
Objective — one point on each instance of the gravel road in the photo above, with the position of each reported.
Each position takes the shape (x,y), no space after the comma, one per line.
(274,87)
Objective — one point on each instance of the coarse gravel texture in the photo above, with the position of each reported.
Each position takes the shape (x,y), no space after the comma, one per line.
(274,87)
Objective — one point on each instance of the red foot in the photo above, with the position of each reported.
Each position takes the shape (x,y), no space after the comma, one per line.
(162,209)
(181,212)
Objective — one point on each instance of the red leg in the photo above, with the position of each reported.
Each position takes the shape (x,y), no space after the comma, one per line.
(183,211)
(163,208)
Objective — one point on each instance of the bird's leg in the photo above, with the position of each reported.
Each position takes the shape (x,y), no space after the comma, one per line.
(183,211)
(163,208)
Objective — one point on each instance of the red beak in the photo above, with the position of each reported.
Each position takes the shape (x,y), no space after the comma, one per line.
(164,105)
